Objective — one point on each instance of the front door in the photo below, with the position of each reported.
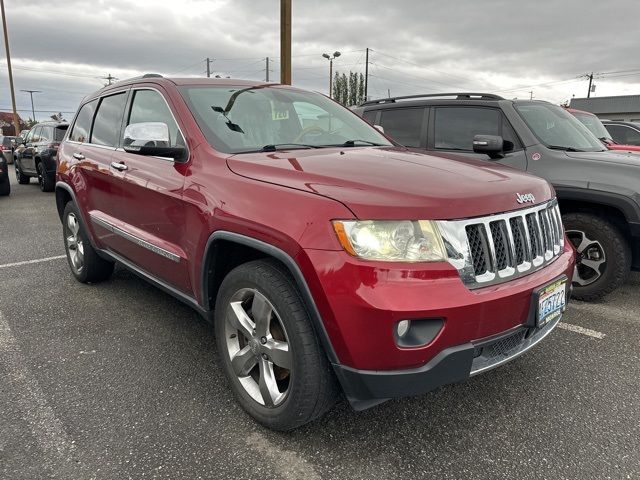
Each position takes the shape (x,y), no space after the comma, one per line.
(152,216)
(27,157)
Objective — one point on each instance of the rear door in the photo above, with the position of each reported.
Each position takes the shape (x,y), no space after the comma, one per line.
(452,128)
(152,214)
(92,142)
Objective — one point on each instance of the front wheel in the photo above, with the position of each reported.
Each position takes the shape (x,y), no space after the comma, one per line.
(269,351)
(85,263)
(603,259)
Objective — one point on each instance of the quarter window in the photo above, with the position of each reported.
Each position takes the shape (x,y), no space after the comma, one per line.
(150,106)
(106,126)
(455,127)
(404,125)
(82,126)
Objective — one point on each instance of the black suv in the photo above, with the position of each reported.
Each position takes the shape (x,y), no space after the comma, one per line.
(598,189)
(35,154)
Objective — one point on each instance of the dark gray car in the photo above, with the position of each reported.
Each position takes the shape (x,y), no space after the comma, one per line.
(598,189)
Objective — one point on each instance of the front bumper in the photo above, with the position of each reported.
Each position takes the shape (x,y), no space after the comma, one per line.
(365,389)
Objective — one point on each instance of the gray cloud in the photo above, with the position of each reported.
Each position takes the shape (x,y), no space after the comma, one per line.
(418,46)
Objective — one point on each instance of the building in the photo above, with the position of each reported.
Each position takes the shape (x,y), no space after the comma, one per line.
(6,123)
(623,107)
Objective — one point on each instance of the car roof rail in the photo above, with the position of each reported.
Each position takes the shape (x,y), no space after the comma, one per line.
(152,75)
(458,95)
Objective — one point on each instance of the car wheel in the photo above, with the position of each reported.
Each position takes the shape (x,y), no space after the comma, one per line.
(603,259)
(21,177)
(46,182)
(269,351)
(85,263)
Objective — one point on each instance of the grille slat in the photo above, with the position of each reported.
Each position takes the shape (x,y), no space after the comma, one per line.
(501,247)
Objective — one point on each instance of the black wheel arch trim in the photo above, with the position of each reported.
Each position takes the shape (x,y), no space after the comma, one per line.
(291,266)
(60,207)
(629,207)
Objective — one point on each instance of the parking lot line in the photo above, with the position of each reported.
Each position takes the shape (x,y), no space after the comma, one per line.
(29,262)
(582,330)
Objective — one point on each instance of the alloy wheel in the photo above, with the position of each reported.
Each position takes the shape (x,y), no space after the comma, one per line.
(590,258)
(258,347)
(73,240)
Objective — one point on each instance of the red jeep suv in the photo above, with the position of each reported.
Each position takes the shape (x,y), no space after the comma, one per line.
(327,257)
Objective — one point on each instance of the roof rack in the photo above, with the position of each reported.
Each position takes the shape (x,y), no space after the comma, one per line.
(459,96)
(152,75)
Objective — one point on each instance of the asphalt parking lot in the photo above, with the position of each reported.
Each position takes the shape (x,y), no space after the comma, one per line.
(119,380)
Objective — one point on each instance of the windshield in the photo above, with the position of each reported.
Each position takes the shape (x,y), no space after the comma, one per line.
(556,128)
(237,119)
(594,125)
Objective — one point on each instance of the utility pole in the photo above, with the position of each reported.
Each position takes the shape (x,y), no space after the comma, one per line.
(31,92)
(531,95)
(16,120)
(208,60)
(109,78)
(388,93)
(590,77)
(366,76)
(285,42)
(267,69)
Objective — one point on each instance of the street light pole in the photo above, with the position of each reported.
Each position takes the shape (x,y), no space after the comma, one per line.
(16,121)
(331,58)
(31,92)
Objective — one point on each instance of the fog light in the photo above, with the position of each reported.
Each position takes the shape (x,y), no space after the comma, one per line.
(402,328)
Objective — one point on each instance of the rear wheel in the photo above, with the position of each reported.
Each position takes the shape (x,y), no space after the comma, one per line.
(268,348)
(21,177)
(46,181)
(85,263)
(603,259)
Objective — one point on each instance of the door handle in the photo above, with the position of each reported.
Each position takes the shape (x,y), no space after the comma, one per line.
(119,166)
(78,156)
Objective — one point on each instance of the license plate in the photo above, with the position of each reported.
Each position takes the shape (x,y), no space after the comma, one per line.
(552,301)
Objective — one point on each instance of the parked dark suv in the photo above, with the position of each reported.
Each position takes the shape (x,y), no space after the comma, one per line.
(35,155)
(598,190)
(327,257)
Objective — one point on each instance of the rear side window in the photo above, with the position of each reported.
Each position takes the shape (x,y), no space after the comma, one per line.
(46,134)
(106,126)
(59,132)
(404,125)
(455,127)
(82,126)
(150,106)
(624,135)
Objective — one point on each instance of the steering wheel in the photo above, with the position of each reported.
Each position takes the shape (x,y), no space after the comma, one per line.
(308,130)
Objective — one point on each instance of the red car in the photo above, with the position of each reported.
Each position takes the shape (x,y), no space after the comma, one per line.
(327,257)
(595,126)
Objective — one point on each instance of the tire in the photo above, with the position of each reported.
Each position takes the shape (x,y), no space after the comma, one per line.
(46,182)
(307,389)
(604,255)
(85,263)
(21,177)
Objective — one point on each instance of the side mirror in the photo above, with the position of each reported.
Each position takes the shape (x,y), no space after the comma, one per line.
(380,128)
(492,145)
(151,139)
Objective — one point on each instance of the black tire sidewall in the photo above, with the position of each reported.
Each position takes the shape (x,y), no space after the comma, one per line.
(616,249)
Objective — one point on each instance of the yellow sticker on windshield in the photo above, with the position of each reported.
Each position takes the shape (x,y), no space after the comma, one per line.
(284,115)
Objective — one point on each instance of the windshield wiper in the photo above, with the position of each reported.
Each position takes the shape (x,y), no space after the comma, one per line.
(277,146)
(352,143)
(566,149)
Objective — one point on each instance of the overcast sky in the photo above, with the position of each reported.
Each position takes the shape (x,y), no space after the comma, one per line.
(418,46)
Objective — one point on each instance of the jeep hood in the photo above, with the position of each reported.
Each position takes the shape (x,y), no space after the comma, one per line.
(610,156)
(394,183)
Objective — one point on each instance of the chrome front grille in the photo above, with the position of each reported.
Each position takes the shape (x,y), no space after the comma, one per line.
(498,248)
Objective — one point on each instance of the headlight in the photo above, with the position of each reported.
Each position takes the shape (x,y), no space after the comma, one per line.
(391,241)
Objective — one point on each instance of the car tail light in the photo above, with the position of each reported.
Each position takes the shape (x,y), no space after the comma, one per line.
(2,148)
